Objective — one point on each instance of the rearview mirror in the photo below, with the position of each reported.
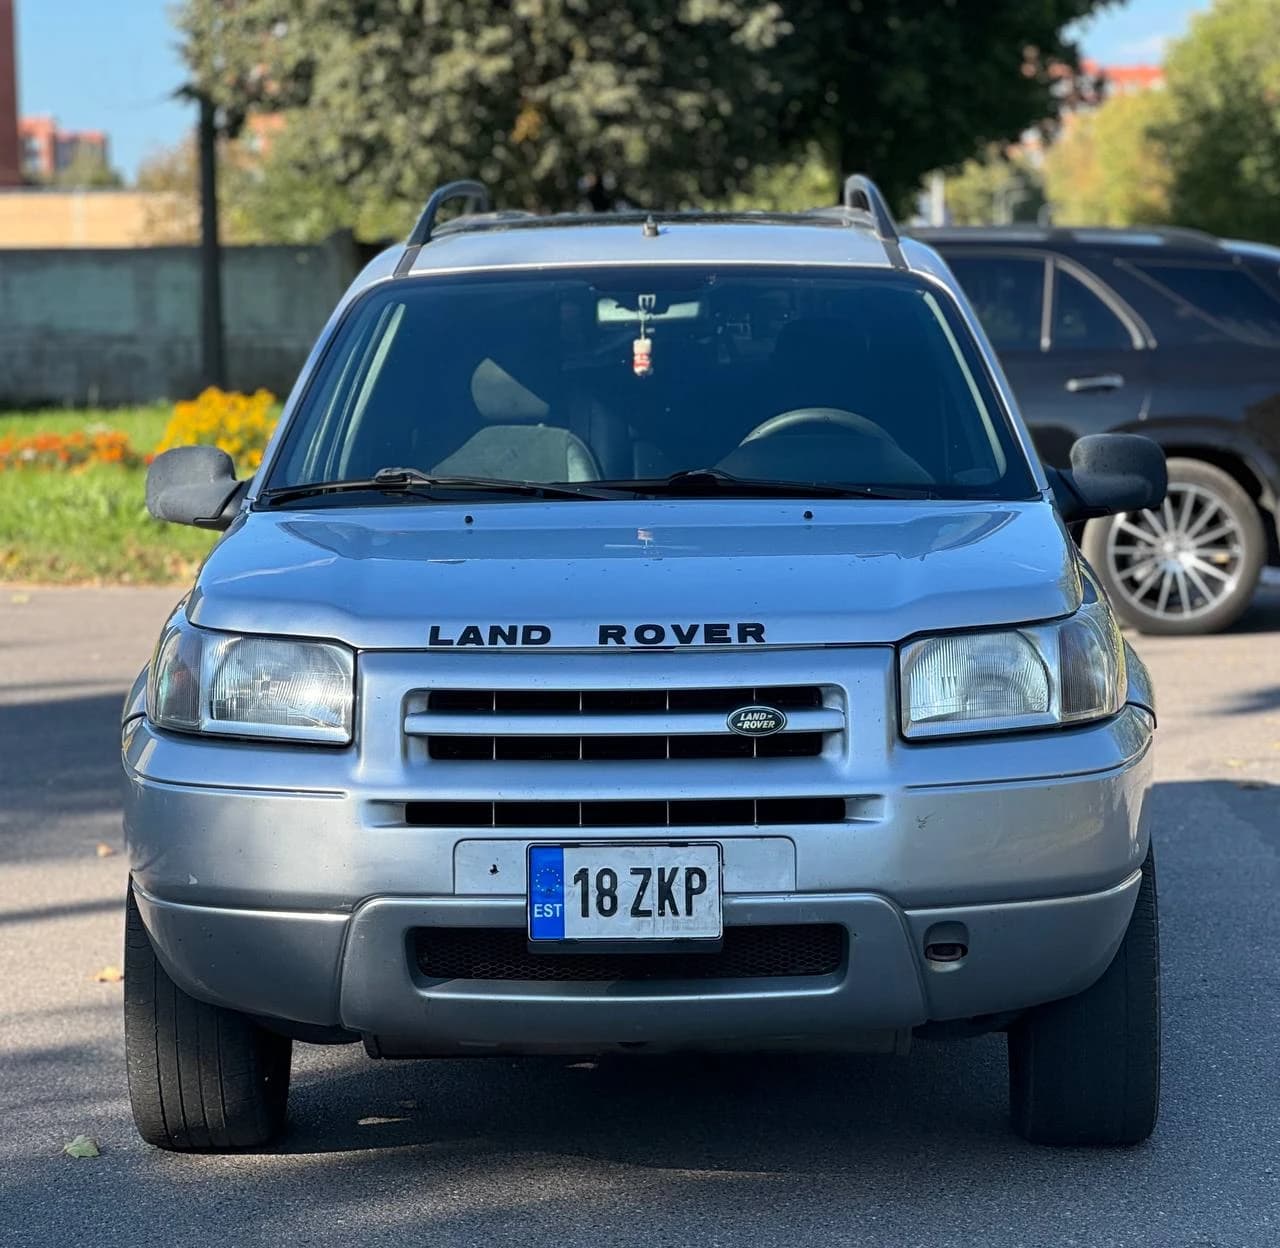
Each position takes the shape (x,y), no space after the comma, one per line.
(194,485)
(1109,473)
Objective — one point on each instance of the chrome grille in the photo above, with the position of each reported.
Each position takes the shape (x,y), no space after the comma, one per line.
(552,725)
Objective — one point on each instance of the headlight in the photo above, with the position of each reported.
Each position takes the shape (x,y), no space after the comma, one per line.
(1041,676)
(251,686)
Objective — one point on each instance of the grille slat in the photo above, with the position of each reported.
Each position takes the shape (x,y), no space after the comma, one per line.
(599,725)
(502,953)
(700,812)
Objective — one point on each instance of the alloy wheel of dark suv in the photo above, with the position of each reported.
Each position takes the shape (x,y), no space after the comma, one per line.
(1189,567)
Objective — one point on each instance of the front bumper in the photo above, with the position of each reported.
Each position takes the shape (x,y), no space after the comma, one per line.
(355,972)
(289,882)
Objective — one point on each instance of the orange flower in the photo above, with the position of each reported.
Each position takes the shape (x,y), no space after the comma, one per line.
(240,424)
(74,451)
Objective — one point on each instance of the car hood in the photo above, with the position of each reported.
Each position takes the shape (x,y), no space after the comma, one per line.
(410,576)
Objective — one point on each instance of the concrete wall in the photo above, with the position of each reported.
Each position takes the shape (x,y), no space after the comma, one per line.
(123,326)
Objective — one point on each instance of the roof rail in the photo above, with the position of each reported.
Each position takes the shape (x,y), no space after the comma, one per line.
(476,193)
(478,199)
(861,192)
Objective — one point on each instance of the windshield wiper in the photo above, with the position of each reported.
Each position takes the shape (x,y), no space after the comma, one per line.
(706,482)
(420,484)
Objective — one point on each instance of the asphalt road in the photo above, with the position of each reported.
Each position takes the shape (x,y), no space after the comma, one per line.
(788,1151)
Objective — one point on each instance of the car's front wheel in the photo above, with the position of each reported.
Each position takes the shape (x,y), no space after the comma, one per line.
(200,1077)
(1086,1070)
(1188,566)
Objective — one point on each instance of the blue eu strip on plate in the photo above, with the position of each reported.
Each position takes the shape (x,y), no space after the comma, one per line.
(546,892)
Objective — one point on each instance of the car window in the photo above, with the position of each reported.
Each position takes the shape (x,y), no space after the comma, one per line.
(1213,302)
(1007,293)
(820,376)
(1082,321)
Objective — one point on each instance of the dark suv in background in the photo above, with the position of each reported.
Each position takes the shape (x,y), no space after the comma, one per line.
(1166,332)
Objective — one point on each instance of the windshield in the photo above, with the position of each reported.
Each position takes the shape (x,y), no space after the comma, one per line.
(630,375)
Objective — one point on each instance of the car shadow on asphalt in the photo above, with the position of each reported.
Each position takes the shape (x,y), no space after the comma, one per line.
(59,758)
(1256,701)
(1263,613)
(778,1112)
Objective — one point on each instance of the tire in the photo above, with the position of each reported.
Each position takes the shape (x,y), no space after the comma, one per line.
(201,1078)
(1120,548)
(1087,1070)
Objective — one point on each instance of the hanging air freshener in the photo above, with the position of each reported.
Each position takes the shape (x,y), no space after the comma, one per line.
(642,356)
(642,347)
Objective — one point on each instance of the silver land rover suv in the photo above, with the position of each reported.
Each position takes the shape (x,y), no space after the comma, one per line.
(644,633)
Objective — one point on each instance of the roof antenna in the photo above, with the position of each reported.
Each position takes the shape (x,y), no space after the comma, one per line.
(650,227)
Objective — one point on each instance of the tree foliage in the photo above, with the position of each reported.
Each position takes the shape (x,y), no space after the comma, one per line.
(1111,167)
(1223,137)
(387,97)
(681,101)
(994,188)
(1203,151)
(170,175)
(87,170)
(901,87)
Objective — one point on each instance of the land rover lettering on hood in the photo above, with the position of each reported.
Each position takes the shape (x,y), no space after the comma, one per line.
(606,634)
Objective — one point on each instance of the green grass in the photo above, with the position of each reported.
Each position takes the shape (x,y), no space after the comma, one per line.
(90,525)
(144,425)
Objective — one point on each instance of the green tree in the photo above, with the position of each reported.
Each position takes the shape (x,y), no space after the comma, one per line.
(1223,137)
(87,170)
(386,98)
(994,188)
(261,199)
(901,87)
(683,101)
(792,186)
(1111,166)
(169,174)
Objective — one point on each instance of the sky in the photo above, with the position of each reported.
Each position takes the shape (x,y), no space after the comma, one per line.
(1135,33)
(113,65)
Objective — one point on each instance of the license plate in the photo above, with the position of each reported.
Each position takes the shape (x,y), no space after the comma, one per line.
(624,892)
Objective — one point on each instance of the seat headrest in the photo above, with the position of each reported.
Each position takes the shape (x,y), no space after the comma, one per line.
(498,396)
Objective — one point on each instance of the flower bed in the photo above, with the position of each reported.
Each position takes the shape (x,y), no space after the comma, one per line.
(71,501)
(70,451)
(239,424)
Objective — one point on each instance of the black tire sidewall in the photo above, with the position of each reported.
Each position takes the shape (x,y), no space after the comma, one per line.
(1086,1070)
(201,1077)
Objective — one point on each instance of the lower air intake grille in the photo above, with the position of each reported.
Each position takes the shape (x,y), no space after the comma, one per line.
(502,953)
(643,813)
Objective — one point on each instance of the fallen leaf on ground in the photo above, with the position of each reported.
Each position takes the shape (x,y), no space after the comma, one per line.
(82,1146)
(19,600)
(104,850)
(1235,762)
(109,975)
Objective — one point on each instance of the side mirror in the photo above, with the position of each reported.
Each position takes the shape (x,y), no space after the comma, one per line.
(1110,473)
(194,485)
